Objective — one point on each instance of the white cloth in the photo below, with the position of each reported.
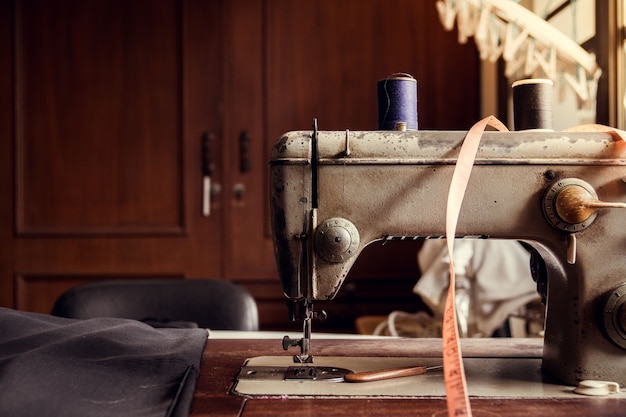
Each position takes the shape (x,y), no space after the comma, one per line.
(498,272)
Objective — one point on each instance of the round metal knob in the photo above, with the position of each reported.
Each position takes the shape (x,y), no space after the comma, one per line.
(572,204)
(615,315)
(336,239)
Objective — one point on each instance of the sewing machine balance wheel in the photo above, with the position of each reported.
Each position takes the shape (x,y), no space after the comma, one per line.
(337,239)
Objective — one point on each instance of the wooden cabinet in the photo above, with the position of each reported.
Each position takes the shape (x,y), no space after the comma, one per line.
(106,105)
(110,100)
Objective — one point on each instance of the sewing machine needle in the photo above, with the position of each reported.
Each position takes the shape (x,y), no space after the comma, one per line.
(381,374)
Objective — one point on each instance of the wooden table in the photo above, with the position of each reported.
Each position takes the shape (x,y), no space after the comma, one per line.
(223,358)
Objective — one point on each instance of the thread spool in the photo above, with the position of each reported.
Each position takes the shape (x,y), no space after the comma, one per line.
(397,103)
(532,104)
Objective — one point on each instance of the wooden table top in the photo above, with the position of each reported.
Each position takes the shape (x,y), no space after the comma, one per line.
(223,358)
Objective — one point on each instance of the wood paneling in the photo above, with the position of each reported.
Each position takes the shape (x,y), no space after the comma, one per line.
(110,101)
(6,154)
(98,98)
(249,252)
(325,57)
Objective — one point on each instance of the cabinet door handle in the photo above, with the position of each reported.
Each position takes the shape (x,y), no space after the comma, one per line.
(207,172)
(244,152)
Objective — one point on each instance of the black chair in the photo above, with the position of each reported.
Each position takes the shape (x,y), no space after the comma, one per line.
(208,303)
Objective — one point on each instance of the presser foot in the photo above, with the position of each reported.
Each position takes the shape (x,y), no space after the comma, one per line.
(307,315)
(305,341)
(305,345)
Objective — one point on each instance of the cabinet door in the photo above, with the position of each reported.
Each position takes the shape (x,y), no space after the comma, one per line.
(111,99)
(249,253)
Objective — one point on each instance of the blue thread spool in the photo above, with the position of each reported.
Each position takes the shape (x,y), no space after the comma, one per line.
(397,103)
(532,104)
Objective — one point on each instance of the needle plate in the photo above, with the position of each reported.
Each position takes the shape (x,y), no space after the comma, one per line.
(292,373)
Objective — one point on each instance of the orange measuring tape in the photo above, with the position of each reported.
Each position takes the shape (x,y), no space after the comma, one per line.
(454,373)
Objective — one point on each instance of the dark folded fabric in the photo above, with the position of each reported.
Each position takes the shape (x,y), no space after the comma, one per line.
(51,366)
(169,324)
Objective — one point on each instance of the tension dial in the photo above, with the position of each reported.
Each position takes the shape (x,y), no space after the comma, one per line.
(565,204)
(572,204)
(336,239)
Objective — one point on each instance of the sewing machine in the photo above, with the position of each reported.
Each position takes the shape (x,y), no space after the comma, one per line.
(333,193)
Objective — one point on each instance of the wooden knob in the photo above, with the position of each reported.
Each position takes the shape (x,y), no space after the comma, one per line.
(574,204)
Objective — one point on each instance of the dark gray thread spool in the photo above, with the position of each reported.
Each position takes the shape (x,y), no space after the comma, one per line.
(532,104)
(397,103)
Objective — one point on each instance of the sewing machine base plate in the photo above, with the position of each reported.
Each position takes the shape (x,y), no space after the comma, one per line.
(486,378)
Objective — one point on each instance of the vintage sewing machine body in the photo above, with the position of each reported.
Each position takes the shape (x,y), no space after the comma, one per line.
(333,193)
